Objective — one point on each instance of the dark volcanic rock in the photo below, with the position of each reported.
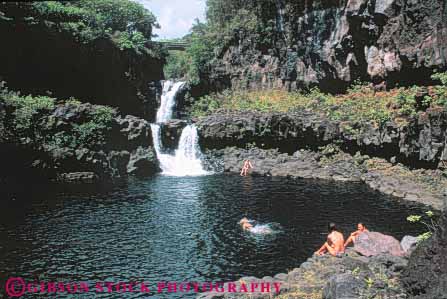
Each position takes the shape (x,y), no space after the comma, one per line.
(55,148)
(420,143)
(40,56)
(348,277)
(426,274)
(170,133)
(143,161)
(302,164)
(374,243)
(333,43)
(136,132)
(342,286)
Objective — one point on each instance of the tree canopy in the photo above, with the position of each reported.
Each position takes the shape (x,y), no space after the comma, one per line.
(128,22)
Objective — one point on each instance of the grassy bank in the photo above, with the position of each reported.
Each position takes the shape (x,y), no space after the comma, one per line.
(360,103)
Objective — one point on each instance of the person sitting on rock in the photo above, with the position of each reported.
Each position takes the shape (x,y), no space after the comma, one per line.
(361,228)
(335,242)
(247,165)
(246,225)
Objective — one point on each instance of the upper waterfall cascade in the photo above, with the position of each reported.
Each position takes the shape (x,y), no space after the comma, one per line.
(186,159)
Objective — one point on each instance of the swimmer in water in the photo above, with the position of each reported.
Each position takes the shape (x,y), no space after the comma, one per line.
(246,167)
(245,223)
(335,242)
(361,228)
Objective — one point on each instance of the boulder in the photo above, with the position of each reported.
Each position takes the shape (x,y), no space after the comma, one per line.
(408,244)
(133,131)
(342,286)
(170,133)
(143,161)
(374,243)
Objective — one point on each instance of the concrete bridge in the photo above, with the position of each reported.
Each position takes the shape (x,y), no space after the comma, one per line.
(178,46)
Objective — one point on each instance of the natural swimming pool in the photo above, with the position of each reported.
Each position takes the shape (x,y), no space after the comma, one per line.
(182,228)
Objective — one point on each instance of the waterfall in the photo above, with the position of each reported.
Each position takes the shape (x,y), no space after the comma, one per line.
(280,15)
(186,159)
(170,90)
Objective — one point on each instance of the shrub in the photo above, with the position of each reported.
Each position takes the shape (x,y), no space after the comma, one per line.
(428,221)
(406,100)
(32,119)
(440,91)
(26,107)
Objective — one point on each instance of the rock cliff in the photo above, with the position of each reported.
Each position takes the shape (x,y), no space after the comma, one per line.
(69,142)
(37,56)
(426,274)
(420,142)
(333,43)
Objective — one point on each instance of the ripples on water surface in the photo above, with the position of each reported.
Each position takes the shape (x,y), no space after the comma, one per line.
(182,229)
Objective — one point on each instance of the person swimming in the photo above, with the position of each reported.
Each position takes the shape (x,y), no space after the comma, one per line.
(335,242)
(246,167)
(262,229)
(245,223)
(361,228)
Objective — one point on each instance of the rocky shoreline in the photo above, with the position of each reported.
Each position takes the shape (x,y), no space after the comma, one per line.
(420,185)
(413,271)
(351,276)
(405,161)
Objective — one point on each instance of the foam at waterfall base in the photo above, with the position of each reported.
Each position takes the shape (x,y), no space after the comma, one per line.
(186,159)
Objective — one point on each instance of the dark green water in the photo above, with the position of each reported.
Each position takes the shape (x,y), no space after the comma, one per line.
(180,229)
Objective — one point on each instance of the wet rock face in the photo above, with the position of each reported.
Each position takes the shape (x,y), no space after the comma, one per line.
(126,147)
(170,134)
(421,142)
(333,43)
(426,275)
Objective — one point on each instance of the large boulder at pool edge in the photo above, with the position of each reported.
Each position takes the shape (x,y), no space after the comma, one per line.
(374,243)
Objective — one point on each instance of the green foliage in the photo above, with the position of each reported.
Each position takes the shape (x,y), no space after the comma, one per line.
(128,22)
(227,21)
(91,132)
(428,221)
(205,105)
(440,91)
(406,100)
(349,109)
(121,15)
(200,51)
(32,120)
(178,65)
(193,63)
(369,282)
(442,77)
(133,40)
(26,108)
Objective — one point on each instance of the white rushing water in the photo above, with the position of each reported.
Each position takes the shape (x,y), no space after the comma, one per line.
(280,15)
(186,159)
(170,89)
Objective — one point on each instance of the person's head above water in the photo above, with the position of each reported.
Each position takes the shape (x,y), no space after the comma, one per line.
(243,220)
(331,227)
(361,227)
